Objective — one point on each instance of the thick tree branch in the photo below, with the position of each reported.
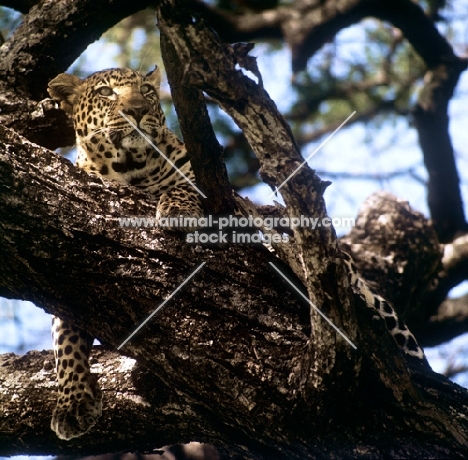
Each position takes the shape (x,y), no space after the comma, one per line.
(198,347)
(199,137)
(139,412)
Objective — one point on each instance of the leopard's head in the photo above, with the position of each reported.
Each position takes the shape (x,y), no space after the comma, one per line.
(102,106)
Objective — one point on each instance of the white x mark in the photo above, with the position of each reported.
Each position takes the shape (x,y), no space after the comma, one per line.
(160,306)
(312,305)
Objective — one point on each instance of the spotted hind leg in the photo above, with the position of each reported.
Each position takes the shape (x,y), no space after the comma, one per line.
(79,396)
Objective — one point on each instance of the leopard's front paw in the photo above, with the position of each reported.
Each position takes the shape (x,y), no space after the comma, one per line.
(78,408)
(178,215)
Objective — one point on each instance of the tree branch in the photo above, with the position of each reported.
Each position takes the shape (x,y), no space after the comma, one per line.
(200,345)
(450,321)
(304,25)
(212,68)
(199,137)
(56,34)
(445,319)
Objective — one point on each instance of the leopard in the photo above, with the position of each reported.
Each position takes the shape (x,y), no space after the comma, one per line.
(121,135)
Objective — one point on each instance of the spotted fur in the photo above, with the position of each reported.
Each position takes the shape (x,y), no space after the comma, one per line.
(108,145)
(79,402)
(396,326)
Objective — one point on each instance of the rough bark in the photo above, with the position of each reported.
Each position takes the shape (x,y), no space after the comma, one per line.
(229,347)
(130,395)
(212,68)
(198,346)
(25,423)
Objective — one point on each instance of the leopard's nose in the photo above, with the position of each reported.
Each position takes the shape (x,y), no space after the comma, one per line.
(137,112)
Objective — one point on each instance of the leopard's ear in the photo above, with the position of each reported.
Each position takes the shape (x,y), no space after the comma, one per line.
(66,89)
(155,77)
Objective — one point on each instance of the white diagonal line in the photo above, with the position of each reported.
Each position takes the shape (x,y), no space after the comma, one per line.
(312,305)
(142,134)
(160,306)
(310,156)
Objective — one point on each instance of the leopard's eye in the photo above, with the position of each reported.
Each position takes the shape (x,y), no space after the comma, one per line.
(146,89)
(105,91)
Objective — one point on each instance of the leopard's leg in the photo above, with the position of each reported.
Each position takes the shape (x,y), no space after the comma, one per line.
(181,200)
(79,396)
